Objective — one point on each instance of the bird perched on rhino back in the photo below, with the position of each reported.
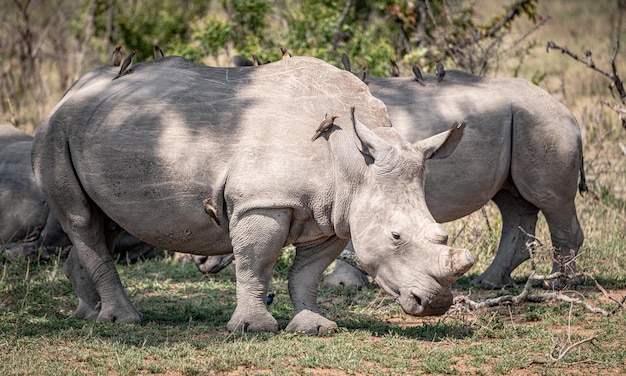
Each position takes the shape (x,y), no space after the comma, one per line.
(286,54)
(128,62)
(325,126)
(255,60)
(419,77)
(116,56)
(395,71)
(158,52)
(440,71)
(363,73)
(345,61)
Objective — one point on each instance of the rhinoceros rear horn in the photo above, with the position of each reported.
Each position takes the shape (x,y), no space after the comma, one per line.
(370,144)
(442,144)
(454,263)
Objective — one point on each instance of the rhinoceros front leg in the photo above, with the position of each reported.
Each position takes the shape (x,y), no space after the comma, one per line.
(512,251)
(307,269)
(257,239)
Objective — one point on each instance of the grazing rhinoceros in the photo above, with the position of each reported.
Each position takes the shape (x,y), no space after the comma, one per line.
(145,151)
(27,227)
(523,150)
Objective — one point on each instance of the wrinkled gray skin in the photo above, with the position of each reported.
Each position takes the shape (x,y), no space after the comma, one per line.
(27,228)
(144,152)
(522,149)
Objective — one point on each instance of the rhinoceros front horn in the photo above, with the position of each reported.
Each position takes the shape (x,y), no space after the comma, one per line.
(453,264)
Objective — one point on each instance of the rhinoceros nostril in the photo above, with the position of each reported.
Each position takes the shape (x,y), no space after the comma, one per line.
(418,300)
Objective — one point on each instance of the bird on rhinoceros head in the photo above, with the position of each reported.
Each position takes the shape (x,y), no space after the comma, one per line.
(116,56)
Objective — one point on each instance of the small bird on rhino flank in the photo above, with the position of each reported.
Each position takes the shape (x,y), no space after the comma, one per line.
(325,126)
(417,72)
(286,54)
(210,210)
(158,52)
(116,56)
(439,70)
(395,71)
(126,64)
(256,60)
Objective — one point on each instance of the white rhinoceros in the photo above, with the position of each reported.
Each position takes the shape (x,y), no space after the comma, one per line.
(27,228)
(145,151)
(523,150)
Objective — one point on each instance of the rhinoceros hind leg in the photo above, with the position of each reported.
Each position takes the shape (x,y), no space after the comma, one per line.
(345,275)
(88,298)
(257,239)
(567,237)
(516,212)
(310,323)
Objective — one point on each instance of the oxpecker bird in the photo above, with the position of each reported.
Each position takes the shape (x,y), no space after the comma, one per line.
(326,124)
(158,52)
(417,72)
(286,54)
(439,70)
(345,60)
(128,62)
(116,56)
(256,60)
(395,71)
(210,210)
(363,73)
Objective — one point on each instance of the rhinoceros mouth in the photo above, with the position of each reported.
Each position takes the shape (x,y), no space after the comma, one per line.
(416,302)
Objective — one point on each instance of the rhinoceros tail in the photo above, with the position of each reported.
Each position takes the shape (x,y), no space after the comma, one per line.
(582,185)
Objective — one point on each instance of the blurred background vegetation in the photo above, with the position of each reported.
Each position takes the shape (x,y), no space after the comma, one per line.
(46,44)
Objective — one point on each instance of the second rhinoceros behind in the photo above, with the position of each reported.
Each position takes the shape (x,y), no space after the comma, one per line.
(145,151)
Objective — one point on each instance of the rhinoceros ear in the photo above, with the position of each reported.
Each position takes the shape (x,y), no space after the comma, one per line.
(370,144)
(442,144)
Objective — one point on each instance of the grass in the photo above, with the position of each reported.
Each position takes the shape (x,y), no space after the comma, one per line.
(185,333)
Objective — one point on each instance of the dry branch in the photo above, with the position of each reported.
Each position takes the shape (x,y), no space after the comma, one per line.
(526,296)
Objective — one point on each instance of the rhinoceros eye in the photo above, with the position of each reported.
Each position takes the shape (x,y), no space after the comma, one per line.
(395,235)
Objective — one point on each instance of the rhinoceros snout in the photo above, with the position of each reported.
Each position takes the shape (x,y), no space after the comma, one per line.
(414,303)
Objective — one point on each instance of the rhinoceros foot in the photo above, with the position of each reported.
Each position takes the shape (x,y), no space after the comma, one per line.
(86,311)
(126,314)
(561,283)
(345,275)
(255,321)
(310,323)
(493,281)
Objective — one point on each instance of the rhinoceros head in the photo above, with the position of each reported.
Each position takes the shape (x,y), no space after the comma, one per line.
(396,239)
